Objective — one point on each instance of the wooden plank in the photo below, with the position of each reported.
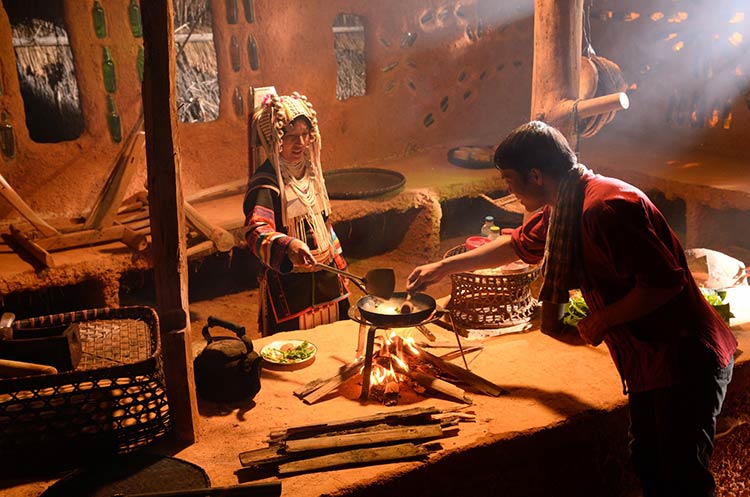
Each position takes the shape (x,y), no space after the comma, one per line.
(440,386)
(379,437)
(9,194)
(34,250)
(356,457)
(462,374)
(398,417)
(264,455)
(109,199)
(224,190)
(223,240)
(319,389)
(167,217)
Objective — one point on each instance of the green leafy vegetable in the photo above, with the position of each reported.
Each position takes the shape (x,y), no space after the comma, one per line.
(717,299)
(289,355)
(577,308)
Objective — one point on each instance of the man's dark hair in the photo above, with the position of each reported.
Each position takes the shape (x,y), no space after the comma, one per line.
(535,145)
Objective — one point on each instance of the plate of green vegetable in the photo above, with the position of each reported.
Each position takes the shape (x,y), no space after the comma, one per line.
(288,354)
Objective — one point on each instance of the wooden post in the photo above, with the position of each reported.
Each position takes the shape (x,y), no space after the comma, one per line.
(166,213)
(557,63)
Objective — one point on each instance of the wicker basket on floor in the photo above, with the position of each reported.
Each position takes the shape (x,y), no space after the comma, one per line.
(113,402)
(493,298)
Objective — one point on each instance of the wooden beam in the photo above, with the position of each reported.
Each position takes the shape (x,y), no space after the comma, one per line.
(557,63)
(167,217)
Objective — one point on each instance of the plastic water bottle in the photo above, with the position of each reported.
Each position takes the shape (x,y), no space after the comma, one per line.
(489,222)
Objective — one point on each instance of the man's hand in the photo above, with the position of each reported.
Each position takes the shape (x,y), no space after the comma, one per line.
(423,276)
(593,328)
(300,255)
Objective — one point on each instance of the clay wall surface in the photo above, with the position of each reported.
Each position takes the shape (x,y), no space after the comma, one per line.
(482,85)
(466,71)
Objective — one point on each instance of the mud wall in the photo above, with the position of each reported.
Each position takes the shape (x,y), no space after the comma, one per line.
(438,74)
(444,59)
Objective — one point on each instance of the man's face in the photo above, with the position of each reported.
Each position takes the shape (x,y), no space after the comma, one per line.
(528,191)
(295,141)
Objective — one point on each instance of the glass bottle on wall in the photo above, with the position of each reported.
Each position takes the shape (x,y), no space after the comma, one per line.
(249,10)
(113,121)
(489,222)
(231,11)
(234,53)
(139,63)
(252,53)
(108,70)
(239,108)
(7,137)
(100,22)
(134,13)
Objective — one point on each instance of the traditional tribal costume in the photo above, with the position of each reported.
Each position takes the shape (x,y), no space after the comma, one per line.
(286,201)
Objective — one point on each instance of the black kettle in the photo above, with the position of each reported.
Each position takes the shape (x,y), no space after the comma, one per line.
(227,369)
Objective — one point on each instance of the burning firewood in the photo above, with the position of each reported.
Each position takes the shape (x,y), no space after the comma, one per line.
(397,363)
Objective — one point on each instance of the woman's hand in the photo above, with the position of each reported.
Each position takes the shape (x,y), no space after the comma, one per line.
(299,254)
(424,276)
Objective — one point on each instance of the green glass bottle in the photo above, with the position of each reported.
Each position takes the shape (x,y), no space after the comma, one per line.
(234,53)
(231,11)
(139,63)
(108,70)
(113,121)
(134,13)
(100,22)
(249,10)
(7,138)
(252,52)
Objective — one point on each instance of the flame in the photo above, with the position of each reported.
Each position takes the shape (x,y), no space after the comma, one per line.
(671,36)
(632,16)
(737,18)
(656,16)
(678,46)
(736,39)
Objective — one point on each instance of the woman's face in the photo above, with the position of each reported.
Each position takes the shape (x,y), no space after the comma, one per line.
(295,141)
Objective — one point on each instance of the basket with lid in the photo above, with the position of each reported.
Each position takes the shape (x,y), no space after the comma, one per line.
(492,298)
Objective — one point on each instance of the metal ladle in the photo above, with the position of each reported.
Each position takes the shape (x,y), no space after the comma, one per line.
(379,282)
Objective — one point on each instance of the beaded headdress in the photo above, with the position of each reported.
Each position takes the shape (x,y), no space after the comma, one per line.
(270,121)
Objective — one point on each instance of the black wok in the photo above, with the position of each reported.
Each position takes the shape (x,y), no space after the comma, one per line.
(385,312)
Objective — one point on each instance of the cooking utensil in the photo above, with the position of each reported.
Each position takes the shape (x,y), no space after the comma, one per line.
(386,312)
(379,282)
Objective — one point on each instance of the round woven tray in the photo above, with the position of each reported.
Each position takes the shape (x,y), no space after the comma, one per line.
(472,156)
(363,182)
(490,299)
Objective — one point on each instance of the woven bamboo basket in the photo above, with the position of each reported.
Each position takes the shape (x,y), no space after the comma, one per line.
(492,298)
(113,402)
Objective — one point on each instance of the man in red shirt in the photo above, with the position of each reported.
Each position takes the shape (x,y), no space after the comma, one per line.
(603,236)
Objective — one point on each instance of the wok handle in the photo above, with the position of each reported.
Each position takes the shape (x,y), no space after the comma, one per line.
(357,280)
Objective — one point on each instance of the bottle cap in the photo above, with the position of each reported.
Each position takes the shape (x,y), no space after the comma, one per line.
(489,218)
(495,229)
